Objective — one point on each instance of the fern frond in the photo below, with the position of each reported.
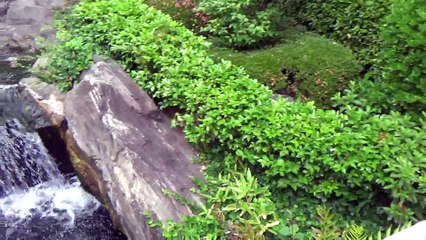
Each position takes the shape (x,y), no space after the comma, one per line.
(355,232)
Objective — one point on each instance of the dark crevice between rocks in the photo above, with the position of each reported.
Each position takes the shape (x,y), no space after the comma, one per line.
(52,140)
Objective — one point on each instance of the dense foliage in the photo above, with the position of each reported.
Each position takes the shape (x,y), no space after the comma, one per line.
(353,23)
(237,207)
(183,11)
(69,59)
(404,55)
(240,23)
(352,158)
(400,76)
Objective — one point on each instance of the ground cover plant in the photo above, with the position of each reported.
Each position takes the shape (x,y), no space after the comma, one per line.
(237,207)
(312,68)
(352,158)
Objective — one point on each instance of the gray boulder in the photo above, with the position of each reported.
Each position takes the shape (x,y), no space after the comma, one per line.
(23,20)
(37,108)
(3,8)
(125,152)
(40,64)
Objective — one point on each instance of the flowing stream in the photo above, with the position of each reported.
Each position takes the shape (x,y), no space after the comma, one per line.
(36,200)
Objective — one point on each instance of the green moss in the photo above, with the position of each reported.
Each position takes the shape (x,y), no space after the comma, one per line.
(322,67)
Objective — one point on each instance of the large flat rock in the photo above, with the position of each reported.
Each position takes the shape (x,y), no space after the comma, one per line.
(125,151)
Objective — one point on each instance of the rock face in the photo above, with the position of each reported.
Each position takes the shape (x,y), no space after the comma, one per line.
(33,102)
(22,20)
(39,107)
(125,152)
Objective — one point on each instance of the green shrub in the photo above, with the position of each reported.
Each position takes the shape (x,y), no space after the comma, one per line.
(349,157)
(68,60)
(404,55)
(237,208)
(355,23)
(183,11)
(399,78)
(322,67)
(240,23)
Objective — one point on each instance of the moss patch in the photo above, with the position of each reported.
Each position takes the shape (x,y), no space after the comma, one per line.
(320,67)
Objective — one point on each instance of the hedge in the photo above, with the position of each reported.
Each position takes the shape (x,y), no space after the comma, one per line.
(354,23)
(403,53)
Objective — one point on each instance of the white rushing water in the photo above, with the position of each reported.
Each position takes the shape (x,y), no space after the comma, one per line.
(56,198)
(24,162)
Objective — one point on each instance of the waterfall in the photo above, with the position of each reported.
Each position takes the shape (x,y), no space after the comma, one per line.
(37,201)
(24,162)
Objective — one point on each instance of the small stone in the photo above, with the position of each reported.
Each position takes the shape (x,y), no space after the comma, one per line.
(13,61)
(40,64)
(277,96)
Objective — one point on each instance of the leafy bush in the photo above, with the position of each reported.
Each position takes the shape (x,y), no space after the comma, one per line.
(240,23)
(183,11)
(399,78)
(354,23)
(68,60)
(237,208)
(404,55)
(350,157)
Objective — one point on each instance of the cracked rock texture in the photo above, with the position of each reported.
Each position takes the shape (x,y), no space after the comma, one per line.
(125,152)
(32,102)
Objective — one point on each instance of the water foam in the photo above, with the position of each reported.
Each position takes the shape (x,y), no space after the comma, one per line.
(54,199)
